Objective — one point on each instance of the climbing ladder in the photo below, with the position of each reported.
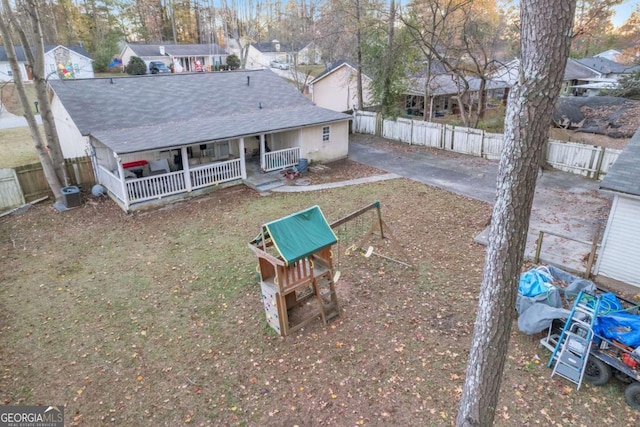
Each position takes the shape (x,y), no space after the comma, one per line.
(571,351)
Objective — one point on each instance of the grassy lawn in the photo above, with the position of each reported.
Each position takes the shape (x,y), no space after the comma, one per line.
(155,318)
(17,147)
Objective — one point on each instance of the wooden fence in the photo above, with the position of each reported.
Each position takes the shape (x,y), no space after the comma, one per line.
(32,184)
(590,161)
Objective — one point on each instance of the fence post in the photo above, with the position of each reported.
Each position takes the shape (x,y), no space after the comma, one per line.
(536,258)
(411,133)
(599,163)
(592,254)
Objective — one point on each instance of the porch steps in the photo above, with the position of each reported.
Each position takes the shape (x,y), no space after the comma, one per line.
(265,182)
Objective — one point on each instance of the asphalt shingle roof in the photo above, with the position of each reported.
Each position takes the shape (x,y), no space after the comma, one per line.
(22,58)
(146,50)
(624,175)
(578,71)
(606,66)
(141,113)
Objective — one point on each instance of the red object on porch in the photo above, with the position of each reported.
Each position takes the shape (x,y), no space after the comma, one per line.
(134,164)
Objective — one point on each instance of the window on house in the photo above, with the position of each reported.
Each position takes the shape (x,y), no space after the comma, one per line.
(76,68)
(52,68)
(326,133)
(9,72)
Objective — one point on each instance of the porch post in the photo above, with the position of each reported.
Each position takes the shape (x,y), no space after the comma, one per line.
(263,162)
(243,166)
(123,185)
(185,168)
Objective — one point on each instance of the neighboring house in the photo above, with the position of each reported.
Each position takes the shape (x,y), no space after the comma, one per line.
(443,89)
(260,55)
(619,256)
(309,55)
(336,88)
(151,137)
(60,62)
(579,79)
(190,57)
(608,69)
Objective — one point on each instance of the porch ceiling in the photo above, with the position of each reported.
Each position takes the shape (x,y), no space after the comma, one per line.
(178,133)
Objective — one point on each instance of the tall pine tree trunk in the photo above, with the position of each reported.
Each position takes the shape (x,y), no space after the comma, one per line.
(545,40)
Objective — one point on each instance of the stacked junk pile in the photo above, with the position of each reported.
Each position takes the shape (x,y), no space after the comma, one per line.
(592,334)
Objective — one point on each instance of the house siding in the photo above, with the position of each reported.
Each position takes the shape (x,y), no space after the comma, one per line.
(619,257)
(338,91)
(313,148)
(72,142)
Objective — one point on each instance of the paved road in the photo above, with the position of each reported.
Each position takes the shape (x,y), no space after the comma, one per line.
(564,203)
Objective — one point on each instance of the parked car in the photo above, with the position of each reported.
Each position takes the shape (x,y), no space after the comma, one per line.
(158,67)
(279,65)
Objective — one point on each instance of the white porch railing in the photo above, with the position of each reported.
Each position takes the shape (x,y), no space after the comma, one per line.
(155,187)
(215,173)
(280,159)
(111,182)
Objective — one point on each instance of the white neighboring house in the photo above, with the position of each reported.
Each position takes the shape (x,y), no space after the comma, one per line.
(619,256)
(191,57)
(610,54)
(60,62)
(579,79)
(260,55)
(336,88)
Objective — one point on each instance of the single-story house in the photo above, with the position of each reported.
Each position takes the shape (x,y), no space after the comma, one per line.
(443,91)
(619,256)
(576,76)
(260,55)
(190,57)
(60,62)
(151,137)
(336,88)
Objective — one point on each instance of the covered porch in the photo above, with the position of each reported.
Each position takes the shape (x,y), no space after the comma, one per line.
(139,179)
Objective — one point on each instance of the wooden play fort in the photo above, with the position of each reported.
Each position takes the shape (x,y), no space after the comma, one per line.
(296,270)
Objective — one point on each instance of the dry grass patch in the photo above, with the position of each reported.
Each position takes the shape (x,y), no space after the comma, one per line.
(155,318)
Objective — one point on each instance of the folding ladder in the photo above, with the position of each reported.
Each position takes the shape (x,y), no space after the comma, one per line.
(572,349)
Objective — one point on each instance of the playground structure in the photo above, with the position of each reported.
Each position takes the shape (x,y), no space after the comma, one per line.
(296,264)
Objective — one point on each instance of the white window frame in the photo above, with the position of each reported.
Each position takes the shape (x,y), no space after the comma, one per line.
(326,133)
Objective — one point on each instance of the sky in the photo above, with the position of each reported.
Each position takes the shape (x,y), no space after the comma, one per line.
(623,11)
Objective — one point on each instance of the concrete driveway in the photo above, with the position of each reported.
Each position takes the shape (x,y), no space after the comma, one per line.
(564,203)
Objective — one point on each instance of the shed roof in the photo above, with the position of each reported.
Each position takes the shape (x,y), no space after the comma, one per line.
(141,113)
(624,175)
(300,234)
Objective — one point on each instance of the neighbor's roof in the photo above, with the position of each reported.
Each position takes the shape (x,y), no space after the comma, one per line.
(140,113)
(300,234)
(333,67)
(624,175)
(271,47)
(444,84)
(22,57)
(606,66)
(577,71)
(147,50)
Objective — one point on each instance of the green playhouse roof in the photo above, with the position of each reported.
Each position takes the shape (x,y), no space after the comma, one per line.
(300,234)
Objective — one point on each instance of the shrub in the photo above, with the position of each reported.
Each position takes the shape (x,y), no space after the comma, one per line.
(233,61)
(136,66)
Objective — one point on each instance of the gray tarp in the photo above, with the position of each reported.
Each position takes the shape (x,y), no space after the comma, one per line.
(537,313)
